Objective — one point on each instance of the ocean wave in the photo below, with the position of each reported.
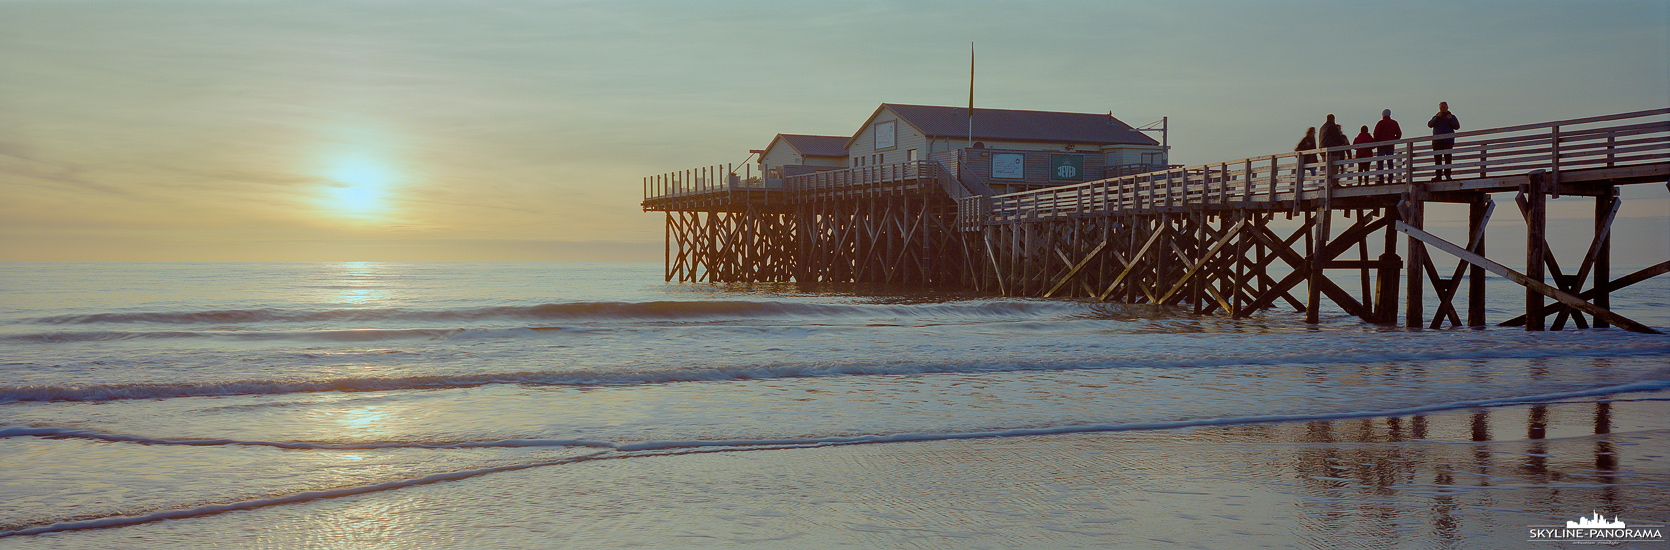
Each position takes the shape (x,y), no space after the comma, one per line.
(665,374)
(52,432)
(343,335)
(585,311)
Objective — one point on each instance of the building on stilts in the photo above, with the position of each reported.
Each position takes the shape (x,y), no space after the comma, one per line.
(1050,204)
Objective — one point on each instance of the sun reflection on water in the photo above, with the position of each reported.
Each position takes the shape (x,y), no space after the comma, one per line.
(357,283)
(362,419)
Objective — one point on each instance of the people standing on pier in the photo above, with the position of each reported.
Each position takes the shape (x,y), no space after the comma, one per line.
(1386,130)
(1363,137)
(1306,144)
(1443,123)
(1333,136)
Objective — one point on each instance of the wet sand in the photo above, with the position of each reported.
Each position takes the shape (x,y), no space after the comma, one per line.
(1455,479)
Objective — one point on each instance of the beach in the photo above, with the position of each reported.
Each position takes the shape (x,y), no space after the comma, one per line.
(1378,482)
(591,406)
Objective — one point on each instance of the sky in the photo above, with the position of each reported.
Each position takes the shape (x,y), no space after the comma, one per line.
(486,130)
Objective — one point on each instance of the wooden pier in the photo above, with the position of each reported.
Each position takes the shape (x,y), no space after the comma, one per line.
(1229,238)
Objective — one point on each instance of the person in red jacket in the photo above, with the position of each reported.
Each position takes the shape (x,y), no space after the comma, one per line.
(1363,137)
(1386,130)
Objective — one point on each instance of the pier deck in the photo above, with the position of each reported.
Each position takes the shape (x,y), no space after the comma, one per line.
(1234,237)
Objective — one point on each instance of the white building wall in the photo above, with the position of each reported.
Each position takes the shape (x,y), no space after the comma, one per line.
(779,155)
(863,151)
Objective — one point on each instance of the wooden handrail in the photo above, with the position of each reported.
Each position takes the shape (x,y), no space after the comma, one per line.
(1282,176)
(1263,177)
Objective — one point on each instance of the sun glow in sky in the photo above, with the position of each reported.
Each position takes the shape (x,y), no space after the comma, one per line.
(360,187)
(363,130)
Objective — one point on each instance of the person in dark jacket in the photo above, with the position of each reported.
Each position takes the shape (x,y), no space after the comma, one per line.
(1443,123)
(1386,130)
(1332,136)
(1363,137)
(1306,144)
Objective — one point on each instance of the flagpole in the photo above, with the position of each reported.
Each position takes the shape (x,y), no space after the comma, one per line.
(971,93)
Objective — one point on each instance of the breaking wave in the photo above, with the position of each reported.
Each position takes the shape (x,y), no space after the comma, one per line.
(587,311)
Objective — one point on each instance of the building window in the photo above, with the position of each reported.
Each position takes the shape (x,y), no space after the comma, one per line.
(886,134)
(910,155)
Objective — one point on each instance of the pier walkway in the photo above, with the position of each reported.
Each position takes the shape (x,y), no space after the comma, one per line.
(1233,237)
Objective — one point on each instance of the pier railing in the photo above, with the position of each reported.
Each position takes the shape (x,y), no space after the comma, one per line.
(1641,137)
(857,176)
(699,181)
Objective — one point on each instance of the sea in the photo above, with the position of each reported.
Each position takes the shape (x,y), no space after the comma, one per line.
(165,405)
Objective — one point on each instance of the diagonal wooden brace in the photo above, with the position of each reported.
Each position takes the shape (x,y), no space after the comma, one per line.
(1133,263)
(1535,285)
(1075,270)
(1197,263)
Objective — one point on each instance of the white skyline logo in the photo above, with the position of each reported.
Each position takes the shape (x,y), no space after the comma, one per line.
(1596,529)
(1596,522)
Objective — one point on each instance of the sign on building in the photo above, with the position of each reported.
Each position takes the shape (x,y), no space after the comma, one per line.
(1009,166)
(1066,167)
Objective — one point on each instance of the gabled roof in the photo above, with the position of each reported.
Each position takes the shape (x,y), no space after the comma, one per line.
(813,146)
(1012,125)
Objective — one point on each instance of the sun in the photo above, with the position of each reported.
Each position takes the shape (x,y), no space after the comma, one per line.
(358,187)
(357,200)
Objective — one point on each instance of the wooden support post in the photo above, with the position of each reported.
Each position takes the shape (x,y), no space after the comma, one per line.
(1324,214)
(1199,247)
(1414,214)
(1536,246)
(1478,214)
(1606,207)
(1313,278)
(1386,282)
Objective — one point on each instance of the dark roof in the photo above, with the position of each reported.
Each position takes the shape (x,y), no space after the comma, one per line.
(1011,125)
(816,146)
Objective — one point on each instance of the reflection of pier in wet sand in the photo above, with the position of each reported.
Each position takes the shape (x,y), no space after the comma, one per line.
(1462,478)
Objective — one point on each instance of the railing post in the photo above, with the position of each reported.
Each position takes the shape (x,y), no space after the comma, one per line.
(1409,162)
(1223,179)
(1554,172)
(1299,180)
(1247,182)
(1169,200)
(1275,175)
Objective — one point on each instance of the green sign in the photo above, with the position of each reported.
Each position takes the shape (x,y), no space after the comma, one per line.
(1066,167)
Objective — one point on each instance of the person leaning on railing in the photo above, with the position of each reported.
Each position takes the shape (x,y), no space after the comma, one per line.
(1305,144)
(1386,130)
(1442,123)
(1333,136)
(1363,137)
